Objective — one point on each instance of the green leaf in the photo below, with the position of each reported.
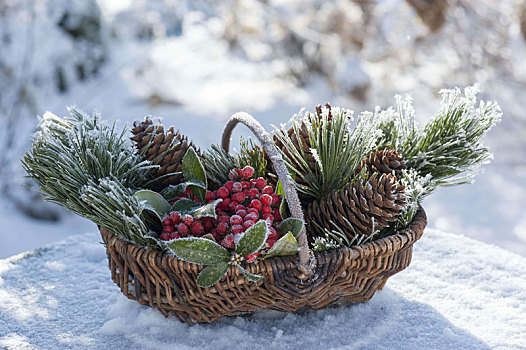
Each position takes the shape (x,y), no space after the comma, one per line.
(194,173)
(209,236)
(155,201)
(185,206)
(172,191)
(279,189)
(283,202)
(207,210)
(212,274)
(250,276)
(283,208)
(291,225)
(253,239)
(286,245)
(199,250)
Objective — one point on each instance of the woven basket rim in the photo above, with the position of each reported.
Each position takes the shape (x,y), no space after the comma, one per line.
(392,243)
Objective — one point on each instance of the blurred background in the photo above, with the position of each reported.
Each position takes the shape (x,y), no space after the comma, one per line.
(194,63)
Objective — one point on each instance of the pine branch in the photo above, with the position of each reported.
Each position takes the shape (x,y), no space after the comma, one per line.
(336,144)
(253,155)
(448,149)
(75,160)
(218,164)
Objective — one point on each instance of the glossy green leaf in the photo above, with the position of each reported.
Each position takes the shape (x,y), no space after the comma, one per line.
(212,274)
(185,206)
(250,276)
(291,225)
(194,174)
(253,239)
(173,191)
(155,201)
(286,245)
(207,210)
(198,250)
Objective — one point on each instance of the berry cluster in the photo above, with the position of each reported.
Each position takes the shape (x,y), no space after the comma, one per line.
(245,200)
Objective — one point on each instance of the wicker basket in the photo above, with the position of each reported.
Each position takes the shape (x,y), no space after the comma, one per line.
(310,280)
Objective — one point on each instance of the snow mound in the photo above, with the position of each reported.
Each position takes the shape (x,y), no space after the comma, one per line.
(458,293)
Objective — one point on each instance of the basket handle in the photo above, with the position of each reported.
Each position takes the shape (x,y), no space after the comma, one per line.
(293,201)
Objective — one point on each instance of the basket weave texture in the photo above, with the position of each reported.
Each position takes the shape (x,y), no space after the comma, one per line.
(315,281)
(352,274)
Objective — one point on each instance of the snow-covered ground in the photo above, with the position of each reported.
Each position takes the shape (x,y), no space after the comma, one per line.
(458,293)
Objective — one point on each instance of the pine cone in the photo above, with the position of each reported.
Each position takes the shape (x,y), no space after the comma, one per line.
(383,162)
(166,150)
(355,208)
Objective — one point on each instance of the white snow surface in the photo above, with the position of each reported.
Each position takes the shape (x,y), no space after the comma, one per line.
(458,293)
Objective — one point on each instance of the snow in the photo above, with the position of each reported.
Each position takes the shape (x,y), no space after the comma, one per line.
(458,293)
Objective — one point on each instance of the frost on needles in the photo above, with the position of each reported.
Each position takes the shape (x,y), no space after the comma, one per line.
(89,167)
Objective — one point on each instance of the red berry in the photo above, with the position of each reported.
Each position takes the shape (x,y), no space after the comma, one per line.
(224,218)
(277,215)
(250,258)
(241,212)
(229,185)
(240,207)
(232,174)
(245,184)
(208,223)
(236,229)
(228,241)
(223,205)
(208,196)
(266,210)
(222,228)
(220,212)
(276,199)
(247,172)
(222,192)
(265,199)
(238,172)
(236,220)
(174,235)
(261,183)
(273,234)
(248,223)
(253,193)
(251,216)
(254,211)
(252,182)
(267,189)
(237,187)
(268,217)
(165,237)
(182,229)
(256,204)
(168,229)
(232,206)
(215,234)
(167,221)
(188,219)
(239,197)
(175,216)
(270,243)
(197,228)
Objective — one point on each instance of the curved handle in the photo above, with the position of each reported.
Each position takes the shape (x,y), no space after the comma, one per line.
(281,169)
